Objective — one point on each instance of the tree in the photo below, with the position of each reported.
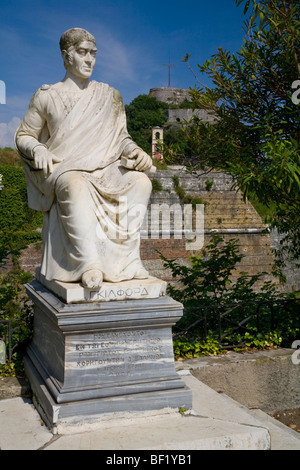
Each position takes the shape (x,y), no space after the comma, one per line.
(143,113)
(146,112)
(208,280)
(255,136)
(214,304)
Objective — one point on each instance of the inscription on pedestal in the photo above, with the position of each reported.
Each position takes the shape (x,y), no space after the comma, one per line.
(121,354)
(117,293)
(134,289)
(86,360)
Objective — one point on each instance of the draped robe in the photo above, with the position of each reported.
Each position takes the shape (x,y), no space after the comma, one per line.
(96,223)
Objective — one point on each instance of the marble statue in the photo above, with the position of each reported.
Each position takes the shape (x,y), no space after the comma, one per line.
(73,141)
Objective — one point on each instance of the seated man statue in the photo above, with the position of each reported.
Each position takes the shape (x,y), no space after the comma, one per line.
(71,141)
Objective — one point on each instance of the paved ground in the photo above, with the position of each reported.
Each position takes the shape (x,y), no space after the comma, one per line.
(216,422)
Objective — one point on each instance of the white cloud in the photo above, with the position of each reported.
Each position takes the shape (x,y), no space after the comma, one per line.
(7,132)
(116,60)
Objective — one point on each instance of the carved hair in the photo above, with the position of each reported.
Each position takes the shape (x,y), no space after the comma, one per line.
(73,37)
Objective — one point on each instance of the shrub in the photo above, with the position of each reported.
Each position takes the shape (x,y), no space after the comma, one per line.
(16,309)
(18,223)
(220,313)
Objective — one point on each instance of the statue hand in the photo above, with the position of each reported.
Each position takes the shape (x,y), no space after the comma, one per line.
(43,160)
(142,161)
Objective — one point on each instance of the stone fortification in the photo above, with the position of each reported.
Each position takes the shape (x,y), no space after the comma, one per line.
(174,97)
(226,212)
(170,95)
(186,114)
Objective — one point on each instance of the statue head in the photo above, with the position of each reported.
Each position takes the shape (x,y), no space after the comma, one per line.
(77,41)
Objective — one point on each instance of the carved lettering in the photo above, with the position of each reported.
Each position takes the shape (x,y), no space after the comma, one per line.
(117,293)
(120,353)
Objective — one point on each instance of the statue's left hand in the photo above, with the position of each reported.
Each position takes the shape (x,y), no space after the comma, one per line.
(142,161)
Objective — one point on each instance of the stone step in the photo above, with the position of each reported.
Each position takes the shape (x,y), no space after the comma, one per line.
(216,422)
(21,429)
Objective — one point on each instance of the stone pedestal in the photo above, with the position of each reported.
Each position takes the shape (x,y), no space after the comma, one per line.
(92,358)
(135,289)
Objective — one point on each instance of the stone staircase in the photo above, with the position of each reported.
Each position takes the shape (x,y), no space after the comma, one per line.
(225,212)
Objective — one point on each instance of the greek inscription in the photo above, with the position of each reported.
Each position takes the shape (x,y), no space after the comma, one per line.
(113,294)
(109,353)
(80,347)
(148,357)
(100,362)
(121,334)
(119,353)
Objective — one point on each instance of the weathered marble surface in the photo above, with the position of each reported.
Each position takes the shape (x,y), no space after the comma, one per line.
(89,359)
(102,327)
(72,141)
(149,288)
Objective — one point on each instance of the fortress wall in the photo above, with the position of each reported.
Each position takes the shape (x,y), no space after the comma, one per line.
(225,212)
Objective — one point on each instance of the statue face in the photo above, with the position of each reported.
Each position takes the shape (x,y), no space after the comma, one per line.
(82,59)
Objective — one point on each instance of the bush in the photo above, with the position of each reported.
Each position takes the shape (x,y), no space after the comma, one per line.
(220,313)
(16,319)
(18,228)
(8,156)
(18,223)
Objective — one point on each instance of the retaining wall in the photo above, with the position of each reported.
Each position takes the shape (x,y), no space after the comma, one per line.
(267,380)
(225,212)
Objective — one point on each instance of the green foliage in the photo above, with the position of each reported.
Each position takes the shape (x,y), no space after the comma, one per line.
(197,347)
(8,156)
(255,135)
(16,307)
(18,228)
(144,113)
(208,185)
(241,341)
(186,198)
(208,280)
(266,212)
(8,370)
(18,223)
(254,339)
(235,314)
(156,185)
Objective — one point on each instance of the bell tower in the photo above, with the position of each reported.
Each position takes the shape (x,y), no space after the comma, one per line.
(157,138)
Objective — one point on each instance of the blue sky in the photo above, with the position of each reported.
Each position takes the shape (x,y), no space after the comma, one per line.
(135,38)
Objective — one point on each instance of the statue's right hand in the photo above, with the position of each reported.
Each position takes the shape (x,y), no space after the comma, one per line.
(43,160)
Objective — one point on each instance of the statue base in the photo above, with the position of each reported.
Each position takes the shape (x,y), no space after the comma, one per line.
(89,359)
(134,289)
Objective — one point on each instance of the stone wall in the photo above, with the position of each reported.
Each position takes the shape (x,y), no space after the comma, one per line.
(186,114)
(225,212)
(175,96)
(170,95)
(266,380)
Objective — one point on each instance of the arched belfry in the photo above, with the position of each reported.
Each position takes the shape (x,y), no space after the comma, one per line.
(157,138)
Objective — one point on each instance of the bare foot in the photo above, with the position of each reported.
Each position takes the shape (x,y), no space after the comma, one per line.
(141,274)
(92,279)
